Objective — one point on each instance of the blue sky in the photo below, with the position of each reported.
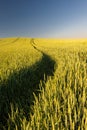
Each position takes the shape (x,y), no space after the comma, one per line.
(43,18)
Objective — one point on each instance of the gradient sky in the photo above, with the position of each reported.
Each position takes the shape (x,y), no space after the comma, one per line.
(43,18)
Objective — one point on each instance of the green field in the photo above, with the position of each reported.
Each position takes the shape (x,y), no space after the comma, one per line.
(43,84)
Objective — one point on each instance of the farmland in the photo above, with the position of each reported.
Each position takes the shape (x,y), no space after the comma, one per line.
(43,84)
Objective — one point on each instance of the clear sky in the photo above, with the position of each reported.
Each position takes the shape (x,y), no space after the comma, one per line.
(43,18)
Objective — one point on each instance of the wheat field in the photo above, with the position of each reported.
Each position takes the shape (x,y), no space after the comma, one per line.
(43,84)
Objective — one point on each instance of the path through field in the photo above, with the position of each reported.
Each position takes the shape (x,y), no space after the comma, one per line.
(20,86)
